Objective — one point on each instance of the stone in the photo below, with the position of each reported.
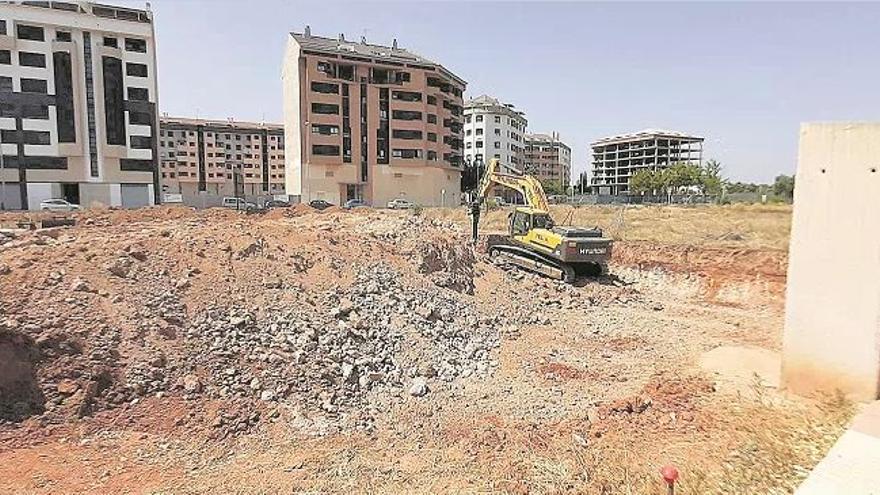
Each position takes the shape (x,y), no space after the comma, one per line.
(67,387)
(4,269)
(192,384)
(121,267)
(80,285)
(267,395)
(418,387)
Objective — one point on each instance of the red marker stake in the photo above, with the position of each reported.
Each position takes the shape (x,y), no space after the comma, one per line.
(670,476)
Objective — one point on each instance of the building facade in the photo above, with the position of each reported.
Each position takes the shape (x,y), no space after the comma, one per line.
(493,129)
(205,160)
(548,159)
(370,122)
(78,103)
(617,158)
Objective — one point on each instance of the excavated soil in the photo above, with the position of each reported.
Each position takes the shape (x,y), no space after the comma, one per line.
(167,350)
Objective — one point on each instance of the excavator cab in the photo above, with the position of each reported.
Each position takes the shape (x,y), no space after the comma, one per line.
(524,220)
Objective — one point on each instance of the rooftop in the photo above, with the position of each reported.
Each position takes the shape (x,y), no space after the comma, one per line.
(378,53)
(545,138)
(96,9)
(486,101)
(230,124)
(648,133)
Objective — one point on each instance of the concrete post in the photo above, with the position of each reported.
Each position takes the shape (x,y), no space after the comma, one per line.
(832,317)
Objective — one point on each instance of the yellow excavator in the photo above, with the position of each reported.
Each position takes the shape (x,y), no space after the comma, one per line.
(535,242)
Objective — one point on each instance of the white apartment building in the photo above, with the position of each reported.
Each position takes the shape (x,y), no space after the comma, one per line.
(493,129)
(78,102)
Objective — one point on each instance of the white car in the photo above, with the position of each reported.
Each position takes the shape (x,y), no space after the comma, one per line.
(400,204)
(58,205)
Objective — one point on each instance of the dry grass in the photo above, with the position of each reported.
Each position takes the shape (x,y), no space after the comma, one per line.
(740,225)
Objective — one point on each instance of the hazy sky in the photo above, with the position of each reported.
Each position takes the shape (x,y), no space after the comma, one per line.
(743,75)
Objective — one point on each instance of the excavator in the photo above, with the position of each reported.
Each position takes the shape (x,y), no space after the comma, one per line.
(535,242)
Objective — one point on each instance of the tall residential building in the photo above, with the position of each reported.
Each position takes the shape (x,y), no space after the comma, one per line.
(494,130)
(548,159)
(617,158)
(77,104)
(220,158)
(370,122)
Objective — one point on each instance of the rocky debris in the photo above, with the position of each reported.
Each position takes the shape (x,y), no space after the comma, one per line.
(120,267)
(418,387)
(372,336)
(4,269)
(80,285)
(450,264)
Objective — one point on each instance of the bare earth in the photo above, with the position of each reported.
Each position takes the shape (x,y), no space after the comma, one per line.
(171,351)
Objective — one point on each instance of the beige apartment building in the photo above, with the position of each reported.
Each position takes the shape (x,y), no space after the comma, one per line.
(205,160)
(370,122)
(548,159)
(78,101)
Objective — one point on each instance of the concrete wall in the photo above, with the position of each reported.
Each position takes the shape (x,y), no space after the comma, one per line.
(832,321)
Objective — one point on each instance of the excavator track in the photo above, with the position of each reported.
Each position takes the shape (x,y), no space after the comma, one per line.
(534,262)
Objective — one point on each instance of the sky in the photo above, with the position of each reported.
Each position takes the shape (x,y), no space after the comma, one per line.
(742,75)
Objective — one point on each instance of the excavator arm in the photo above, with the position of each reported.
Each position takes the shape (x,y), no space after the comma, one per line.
(527,185)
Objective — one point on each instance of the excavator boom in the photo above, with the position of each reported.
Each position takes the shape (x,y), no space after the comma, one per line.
(528,186)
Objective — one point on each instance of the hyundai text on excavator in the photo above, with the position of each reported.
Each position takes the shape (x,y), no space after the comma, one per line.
(535,242)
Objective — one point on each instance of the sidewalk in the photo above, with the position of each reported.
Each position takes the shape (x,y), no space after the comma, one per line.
(852,466)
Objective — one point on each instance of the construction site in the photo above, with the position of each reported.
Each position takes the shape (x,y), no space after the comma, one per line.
(167,350)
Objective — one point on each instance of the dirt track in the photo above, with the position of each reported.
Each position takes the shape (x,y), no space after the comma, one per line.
(589,388)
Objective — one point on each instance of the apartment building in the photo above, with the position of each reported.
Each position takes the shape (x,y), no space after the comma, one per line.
(77,104)
(205,160)
(371,122)
(548,159)
(493,129)
(617,158)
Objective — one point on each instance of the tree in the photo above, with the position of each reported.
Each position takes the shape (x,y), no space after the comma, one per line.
(552,187)
(784,186)
(712,181)
(643,181)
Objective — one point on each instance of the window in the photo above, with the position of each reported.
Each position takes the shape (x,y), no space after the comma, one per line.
(406,154)
(497,119)
(139,118)
(406,115)
(432,100)
(141,142)
(36,137)
(432,155)
(5,57)
(406,134)
(34,86)
(432,137)
(327,88)
(402,77)
(406,96)
(325,150)
(35,112)
(28,59)
(479,118)
(432,119)
(2,27)
(327,130)
(479,144)
(325,108)
(468,132)
(468,145)
(497,145)
(26,32)
(497,131)
(479,131)
(467,119)
(63,36)
(137,70)
(138,94)
(135,45)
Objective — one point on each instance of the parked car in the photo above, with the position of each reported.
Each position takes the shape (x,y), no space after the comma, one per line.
(320,204)
(58,205)
(400,204)
(354,203)
(276,203)
(238,203)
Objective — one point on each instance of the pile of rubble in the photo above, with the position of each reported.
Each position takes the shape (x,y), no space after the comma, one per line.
(374,336)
